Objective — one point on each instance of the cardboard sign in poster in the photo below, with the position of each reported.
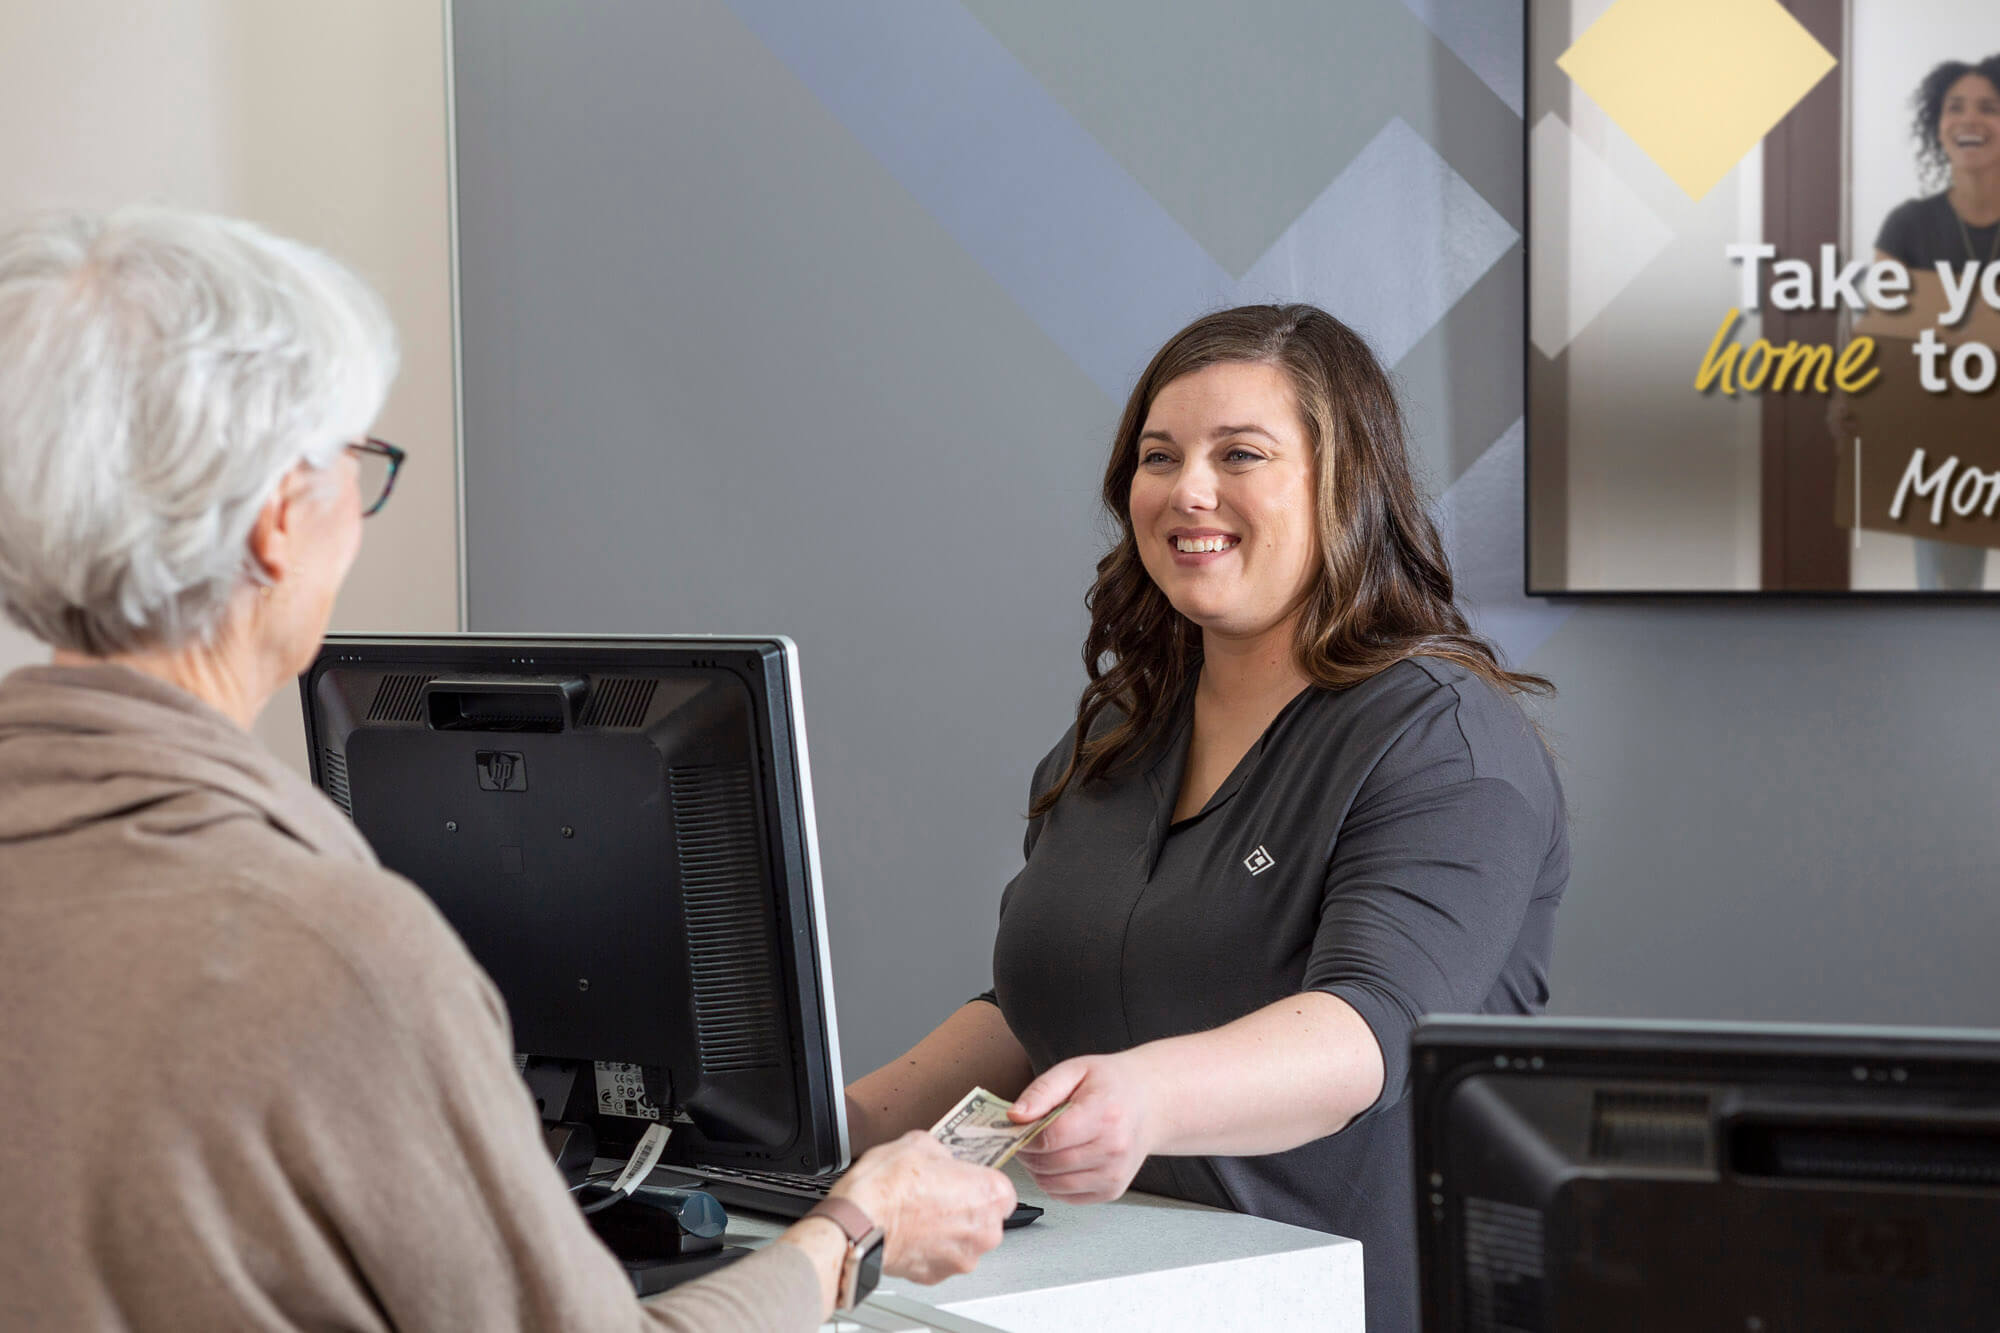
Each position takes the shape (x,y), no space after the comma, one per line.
(1938,452)
(1927,307)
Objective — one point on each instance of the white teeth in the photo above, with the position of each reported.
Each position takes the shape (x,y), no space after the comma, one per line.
(1196,545)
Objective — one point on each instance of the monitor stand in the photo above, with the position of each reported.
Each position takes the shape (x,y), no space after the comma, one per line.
(642,1230)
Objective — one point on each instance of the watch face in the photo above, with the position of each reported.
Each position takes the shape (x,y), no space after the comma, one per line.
(868,1272)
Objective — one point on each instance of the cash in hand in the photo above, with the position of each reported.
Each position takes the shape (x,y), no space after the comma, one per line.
(977,1130)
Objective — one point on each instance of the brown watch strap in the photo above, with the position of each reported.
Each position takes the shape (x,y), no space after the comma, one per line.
(845,1214)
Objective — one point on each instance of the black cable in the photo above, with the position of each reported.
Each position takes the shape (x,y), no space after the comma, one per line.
(613,1195)
(610,1197)
(596,1178)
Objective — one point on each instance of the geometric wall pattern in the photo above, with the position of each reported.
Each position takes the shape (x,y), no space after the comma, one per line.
(1390,243)
(1487,37)
(1743,786)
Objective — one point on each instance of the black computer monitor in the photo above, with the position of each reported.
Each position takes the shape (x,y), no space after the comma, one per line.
(621,829)
(1595,1175)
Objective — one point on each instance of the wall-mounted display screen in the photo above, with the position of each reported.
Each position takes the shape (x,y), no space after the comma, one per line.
(1764,296)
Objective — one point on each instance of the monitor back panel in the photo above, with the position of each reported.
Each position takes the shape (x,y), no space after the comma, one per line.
(616,831)
(1585,1176)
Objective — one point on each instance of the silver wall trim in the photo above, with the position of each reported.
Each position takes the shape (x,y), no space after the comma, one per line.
(457,343)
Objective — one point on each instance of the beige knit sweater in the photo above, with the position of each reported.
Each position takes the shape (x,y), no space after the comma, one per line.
(252,1080)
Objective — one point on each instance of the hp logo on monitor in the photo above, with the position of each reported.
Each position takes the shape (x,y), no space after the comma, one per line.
(501,770)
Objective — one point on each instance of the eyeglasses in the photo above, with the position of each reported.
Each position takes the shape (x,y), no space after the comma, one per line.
(380,462)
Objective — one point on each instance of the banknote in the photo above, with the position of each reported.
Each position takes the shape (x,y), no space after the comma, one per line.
(978,1130)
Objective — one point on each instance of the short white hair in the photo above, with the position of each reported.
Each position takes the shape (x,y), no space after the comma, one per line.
(160,373)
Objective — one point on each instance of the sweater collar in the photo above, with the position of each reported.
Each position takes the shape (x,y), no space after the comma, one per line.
(83,742)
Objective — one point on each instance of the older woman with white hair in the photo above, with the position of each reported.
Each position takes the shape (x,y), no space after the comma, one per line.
(253,1079)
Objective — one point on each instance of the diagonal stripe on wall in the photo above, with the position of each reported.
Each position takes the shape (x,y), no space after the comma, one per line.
(1457,395)
(1235,116)
(1487,35)
(1104,270)
(1389,246)
(1480,519)
(1064,229)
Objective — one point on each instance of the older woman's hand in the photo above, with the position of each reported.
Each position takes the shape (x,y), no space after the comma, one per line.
(1115,1119)
(939,1214)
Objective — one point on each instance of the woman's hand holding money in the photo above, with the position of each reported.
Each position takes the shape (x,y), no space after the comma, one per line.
(1090,1153)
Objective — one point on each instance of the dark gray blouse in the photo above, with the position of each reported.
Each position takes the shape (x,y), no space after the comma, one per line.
(1922,232)
(1401,844)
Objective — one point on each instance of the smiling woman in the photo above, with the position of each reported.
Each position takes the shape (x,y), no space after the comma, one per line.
(1956,125)
(1299,808)
(1323,467)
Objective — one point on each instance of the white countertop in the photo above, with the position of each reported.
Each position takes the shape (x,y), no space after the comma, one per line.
(1143,1262)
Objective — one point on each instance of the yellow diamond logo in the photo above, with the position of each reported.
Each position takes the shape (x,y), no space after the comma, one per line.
(1696,83)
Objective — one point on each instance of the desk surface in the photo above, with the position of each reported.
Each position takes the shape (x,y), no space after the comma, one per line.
(1143,1262)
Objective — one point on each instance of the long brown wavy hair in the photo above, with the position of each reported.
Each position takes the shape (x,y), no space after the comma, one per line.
(1384,589)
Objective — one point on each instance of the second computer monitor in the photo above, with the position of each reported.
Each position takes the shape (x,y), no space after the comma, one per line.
(1577,1175)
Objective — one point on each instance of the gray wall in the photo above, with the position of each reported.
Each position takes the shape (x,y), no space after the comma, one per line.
(1780,811)
(815,319)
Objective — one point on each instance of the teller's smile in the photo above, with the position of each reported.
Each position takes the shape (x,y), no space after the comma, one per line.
(1197,544)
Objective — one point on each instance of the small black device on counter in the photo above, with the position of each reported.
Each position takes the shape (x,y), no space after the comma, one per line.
(664,1236)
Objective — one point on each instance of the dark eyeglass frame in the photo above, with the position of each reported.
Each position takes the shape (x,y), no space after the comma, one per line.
(381,449)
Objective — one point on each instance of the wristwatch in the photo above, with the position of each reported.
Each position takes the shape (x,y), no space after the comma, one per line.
(862,1268)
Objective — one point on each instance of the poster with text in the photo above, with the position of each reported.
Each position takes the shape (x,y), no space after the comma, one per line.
(1764,296)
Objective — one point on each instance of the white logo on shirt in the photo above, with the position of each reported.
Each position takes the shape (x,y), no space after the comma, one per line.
(1259,861)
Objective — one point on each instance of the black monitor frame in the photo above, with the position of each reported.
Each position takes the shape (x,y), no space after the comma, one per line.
(1683,1175)
(511,697)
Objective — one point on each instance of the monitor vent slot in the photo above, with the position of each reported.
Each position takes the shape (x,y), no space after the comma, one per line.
(618,701)
(399,698)
(1671,1129)
(1503,1268)
(735,986)
(333,767)
(1920,1156)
